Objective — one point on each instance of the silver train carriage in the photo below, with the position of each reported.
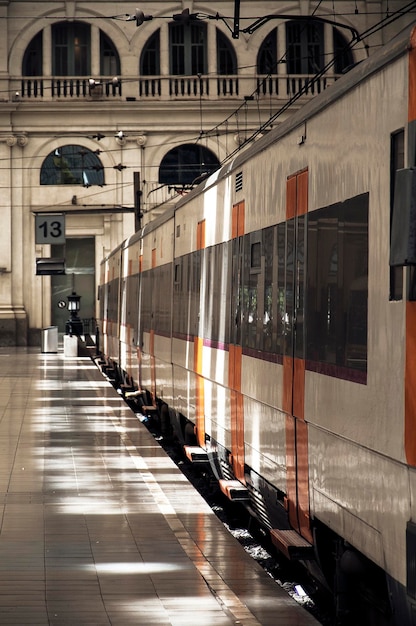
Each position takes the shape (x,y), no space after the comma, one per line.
(269,321)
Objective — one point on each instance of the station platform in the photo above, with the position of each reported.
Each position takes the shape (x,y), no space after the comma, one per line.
(98,525)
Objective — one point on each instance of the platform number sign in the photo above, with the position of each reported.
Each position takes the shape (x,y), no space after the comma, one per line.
(49,228)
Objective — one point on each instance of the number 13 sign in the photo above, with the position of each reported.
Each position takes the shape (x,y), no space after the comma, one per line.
(49,228)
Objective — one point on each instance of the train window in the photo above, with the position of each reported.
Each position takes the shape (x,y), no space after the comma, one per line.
(177,273)
(256,255)
(179,296)
(396,163)
(410,559)
(252,284)
(337,286)
(270,290)
(215,280)
(146,302)
(161,306)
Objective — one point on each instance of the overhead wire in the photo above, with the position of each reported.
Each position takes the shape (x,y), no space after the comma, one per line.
(389,19)
(215,130)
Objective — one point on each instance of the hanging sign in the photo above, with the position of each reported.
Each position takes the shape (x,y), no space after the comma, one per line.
(49,228)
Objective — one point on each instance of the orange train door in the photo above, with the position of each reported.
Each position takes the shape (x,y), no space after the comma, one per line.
(235,349)
(297,491)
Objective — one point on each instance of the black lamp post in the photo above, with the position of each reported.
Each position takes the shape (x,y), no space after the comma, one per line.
(74,325)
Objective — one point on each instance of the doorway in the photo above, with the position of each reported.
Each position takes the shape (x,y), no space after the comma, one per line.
(79,255)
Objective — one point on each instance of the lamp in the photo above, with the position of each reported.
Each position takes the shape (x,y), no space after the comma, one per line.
(74,325)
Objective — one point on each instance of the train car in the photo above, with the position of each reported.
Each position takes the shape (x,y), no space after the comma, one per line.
(272,317)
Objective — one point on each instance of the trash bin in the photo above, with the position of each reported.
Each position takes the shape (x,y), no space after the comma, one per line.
(49,339)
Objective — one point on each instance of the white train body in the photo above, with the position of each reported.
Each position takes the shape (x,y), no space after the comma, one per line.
(265,318)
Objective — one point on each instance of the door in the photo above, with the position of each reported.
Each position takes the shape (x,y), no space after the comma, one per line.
(294,354)
(235,349)
(79,254)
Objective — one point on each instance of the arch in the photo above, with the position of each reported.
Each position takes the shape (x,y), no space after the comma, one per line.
(184,164)
(18,48)
(63,53)
(72,164)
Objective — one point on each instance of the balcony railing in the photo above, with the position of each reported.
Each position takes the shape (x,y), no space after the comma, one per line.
(166,88)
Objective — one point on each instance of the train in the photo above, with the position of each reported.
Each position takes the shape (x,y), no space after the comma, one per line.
(267,320)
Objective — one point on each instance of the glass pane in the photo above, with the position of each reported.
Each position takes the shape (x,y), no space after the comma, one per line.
(267,57)
(80,277)
(305,47)
(32,61)
(187,49)
(183,165)
(396,163)
(71,49)
(150,59)
(109,59)
(226,62)
(72,165)
(337,305)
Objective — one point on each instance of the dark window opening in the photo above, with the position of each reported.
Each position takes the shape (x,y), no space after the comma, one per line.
(185,164)
(72,165)
(33,57)
(109,58)
(188,54)
(79,254)
(337,289)
(71,49)
(256,255)
(343,58)
(396,163)
(150,58)
(226,59)
(267,56)
(305,47)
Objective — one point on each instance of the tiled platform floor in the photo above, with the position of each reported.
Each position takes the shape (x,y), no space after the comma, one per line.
(98,526)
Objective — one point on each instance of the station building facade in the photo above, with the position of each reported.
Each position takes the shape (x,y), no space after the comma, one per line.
(108,112)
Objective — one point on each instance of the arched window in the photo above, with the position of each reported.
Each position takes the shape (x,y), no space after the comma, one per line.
(71,52)
(33,58)
(72,165)
(109,58)
(342,53)
(184,164)
(267,56)
(226,59)
(150,58)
